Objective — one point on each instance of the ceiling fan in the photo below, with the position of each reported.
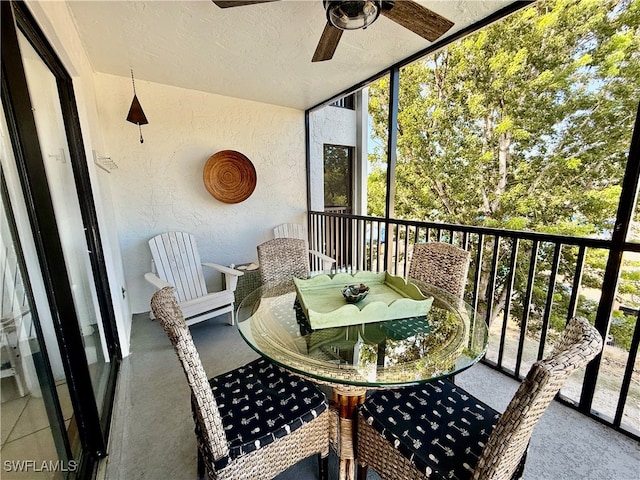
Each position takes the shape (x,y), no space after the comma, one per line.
(352,15)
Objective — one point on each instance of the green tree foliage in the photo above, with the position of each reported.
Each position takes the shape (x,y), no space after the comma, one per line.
(621,329)
(525,125)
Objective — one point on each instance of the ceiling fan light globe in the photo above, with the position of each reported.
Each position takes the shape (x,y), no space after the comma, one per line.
(352,15)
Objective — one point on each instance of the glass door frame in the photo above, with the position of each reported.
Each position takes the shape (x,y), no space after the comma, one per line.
(93,425)
(43,370)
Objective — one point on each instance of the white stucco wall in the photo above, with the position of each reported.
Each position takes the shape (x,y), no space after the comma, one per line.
(158,185)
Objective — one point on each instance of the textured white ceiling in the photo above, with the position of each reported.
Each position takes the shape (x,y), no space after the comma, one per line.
(257,52)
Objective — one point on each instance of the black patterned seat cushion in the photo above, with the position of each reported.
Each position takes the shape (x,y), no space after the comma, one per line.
(260,403)
(438,426)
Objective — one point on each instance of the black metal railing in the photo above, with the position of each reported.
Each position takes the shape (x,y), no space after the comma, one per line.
(526,285)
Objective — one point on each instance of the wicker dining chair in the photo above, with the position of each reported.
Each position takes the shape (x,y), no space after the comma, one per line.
(281,259)
(438,430)
(252,422)
(319,261)
(441,264)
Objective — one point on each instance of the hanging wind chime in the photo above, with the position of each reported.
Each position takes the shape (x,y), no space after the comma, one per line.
(136,115)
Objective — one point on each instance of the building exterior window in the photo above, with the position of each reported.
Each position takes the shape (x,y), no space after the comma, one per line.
(338,178)
(345,102)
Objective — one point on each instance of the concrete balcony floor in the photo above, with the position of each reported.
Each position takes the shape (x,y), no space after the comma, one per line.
(152,432)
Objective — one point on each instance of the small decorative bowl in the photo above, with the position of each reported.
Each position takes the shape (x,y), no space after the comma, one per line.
(355,293)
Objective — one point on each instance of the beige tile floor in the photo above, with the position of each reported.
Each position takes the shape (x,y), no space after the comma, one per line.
(25,431)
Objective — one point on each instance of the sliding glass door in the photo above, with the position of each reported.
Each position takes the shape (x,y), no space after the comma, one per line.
(66,338)
(49,121)
(37,415)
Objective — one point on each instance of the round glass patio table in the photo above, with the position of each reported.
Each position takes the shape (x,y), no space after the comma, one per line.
(390,353)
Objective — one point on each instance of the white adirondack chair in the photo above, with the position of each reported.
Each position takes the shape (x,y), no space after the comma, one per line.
(295,230)
(176,263)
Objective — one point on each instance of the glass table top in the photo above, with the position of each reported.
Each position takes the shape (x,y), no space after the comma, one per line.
(403,351)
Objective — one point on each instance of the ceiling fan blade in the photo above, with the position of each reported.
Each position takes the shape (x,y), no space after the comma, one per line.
(239,3)
(418,19)
(327,44)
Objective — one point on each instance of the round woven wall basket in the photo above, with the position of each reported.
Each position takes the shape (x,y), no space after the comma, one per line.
(229,176)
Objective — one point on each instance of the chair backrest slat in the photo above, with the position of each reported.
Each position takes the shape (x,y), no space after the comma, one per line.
(176,260)
(441,264)
(509,440)
(282,259)
(207,417)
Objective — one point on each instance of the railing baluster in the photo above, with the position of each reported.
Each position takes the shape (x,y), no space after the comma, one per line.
(406,251)
(515,243)
(382,246)
(476,281)
(526,304)
(577,280)
(628,372)
(337,241)
(549,303)
(492,281)
(358,244)
(370,243)
(343,241)
(465,240)
(396,243)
